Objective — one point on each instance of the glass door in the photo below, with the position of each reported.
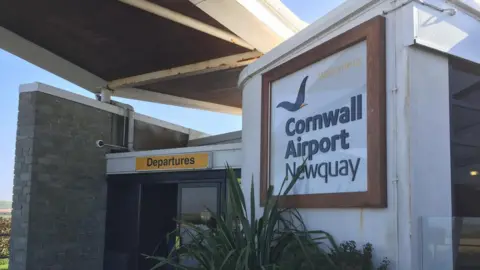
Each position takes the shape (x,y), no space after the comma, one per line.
(195,201)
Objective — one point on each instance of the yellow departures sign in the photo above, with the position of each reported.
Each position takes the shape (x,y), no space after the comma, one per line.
(173,162)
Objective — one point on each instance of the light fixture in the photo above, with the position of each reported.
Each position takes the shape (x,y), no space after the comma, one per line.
(473,173)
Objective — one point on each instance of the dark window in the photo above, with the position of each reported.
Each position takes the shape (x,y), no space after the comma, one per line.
(464,79)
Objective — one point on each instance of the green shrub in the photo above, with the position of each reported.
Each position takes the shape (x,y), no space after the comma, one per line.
(278,240)
(4,241)
(3,264)
(348,257)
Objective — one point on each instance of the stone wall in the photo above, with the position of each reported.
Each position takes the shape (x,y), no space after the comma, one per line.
(22,182)
(59,201)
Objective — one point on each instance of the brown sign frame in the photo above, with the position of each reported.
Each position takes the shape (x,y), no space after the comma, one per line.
(373,32)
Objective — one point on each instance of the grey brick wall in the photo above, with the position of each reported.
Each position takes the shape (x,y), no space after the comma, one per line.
(22,181)
(59,198)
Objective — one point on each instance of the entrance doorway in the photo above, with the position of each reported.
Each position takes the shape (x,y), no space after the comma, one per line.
(196,201)
(158,211)
(142,209)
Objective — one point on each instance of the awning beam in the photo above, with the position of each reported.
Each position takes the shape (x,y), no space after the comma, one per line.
(228,62)
(188,21)
(36,55)
(149,96)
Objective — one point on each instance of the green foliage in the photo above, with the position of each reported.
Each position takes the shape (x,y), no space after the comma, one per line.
(349,257)
(3,264)
(278,240)
(4,241)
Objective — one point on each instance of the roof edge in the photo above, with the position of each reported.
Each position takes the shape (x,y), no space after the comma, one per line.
(179,150)
(262,23)
(61,93)
(289,18)
(316,30)
(216,139)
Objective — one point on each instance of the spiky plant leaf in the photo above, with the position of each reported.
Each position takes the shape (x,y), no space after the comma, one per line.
(276,240)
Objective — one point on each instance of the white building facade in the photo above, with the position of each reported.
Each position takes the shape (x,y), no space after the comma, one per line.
(401,154)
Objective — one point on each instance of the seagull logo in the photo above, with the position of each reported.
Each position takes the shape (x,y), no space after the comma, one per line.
(299,103)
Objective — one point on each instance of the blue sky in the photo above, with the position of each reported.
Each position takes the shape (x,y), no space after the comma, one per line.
(15,71)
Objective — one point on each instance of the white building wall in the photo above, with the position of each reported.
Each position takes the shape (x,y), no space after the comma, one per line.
(377,226)
(429,153)
(419,39)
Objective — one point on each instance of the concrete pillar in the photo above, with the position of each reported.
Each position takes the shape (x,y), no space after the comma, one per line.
(59,197)
(59,202)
